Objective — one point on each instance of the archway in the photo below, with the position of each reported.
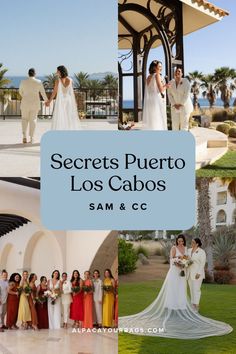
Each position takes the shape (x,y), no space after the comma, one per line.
(221,217)
(7,258)
(43,254)
(144,25)
(106,255)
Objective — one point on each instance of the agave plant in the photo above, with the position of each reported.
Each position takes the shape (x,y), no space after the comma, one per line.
(224,246)
(166,247)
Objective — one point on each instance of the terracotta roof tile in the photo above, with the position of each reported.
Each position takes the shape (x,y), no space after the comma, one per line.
(210,6)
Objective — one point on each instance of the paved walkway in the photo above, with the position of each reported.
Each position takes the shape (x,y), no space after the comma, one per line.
(17,159)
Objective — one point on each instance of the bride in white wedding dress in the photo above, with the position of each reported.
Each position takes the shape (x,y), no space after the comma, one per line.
(65,114)
(154,107)
(171,314)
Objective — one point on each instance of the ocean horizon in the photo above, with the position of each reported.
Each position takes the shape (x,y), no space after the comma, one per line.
(16,79)
(202,101)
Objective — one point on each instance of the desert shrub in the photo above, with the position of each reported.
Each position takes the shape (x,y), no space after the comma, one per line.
(166,247)
(230,122)
(143,250)
(208,278)
(223,276)
(219,116)
(158,252)
(127,257)
(232,132)
(224,246)
(223,128)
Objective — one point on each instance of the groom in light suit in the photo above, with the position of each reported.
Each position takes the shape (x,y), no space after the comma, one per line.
(180,100)
(30,89)
(196,271)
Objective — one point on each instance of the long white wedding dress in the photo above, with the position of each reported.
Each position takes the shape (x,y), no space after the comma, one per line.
(154,107)
(54,310)
(65,114)
(171,314)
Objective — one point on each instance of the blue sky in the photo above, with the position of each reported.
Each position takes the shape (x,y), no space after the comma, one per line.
(80,34)
(206,49)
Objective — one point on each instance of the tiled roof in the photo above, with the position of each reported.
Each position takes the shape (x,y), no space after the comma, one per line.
(208,5)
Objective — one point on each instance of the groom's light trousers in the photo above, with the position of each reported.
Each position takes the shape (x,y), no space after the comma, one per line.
(180,120)
(195,290)
(29,117)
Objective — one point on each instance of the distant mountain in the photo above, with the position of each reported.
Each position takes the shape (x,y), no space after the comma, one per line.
(100,76)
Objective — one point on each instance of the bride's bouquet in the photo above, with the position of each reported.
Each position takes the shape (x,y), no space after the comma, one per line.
(183,262)
(52,295)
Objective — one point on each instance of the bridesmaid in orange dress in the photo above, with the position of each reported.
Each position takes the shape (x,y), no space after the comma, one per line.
(32,300)
(77,305)
(13,301)
(88,300)
(116,301)
(42,304)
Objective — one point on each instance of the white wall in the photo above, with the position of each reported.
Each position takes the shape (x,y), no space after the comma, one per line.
(82,247)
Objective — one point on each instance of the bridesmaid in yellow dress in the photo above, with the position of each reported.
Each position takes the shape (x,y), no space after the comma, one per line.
(88,301)
(108,299)
(24,314)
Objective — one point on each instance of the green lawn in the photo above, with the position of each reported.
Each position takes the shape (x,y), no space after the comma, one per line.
(224,167)
(217,302)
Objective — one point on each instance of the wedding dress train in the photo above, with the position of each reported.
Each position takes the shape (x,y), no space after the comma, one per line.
(65,114)
(171,314)
(154,108)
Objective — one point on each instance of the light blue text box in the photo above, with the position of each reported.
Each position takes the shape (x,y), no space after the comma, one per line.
(172,209)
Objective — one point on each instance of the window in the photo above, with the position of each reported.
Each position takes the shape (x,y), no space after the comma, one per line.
(221,198)
(221,217)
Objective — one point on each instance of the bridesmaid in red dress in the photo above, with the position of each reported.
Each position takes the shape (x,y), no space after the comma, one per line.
(42,304)
(77,305)
(116,302)
(32,301)
(88,301)
(13,301)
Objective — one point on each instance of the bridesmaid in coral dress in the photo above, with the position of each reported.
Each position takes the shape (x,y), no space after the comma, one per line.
(116,302)
(108,299)
(42,304)
(13,301)
(88,300)
(24,314)
(32,301)
(77,305)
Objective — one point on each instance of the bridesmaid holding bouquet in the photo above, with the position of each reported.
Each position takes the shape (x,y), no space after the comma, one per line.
(77,305)
(108,299)
(24,314)
(88,300)
(32,300)
(42,304)
(13,301)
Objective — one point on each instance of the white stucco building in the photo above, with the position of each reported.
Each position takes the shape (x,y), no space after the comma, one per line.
(223,205)
(26,244)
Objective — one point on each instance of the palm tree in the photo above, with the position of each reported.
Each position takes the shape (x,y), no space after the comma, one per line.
(81,80)
(95,87)
(110,81)
(224,77)
(204,222)
(195,78)
(211,90)
(50,80)
(3,81)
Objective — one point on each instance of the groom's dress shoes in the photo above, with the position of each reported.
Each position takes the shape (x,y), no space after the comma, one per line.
(24,141)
